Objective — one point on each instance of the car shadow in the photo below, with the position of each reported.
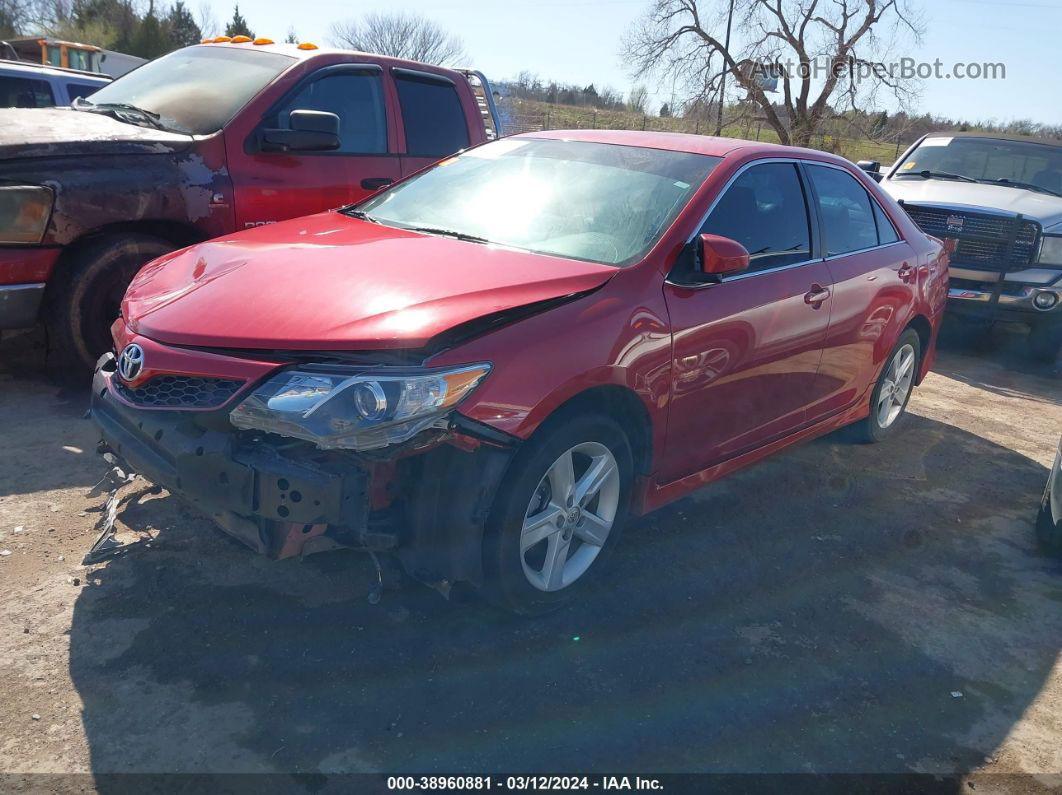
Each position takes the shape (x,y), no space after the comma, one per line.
(837,608)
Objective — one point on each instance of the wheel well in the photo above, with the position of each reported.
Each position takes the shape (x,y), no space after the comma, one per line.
(625,407)
(925,332)
(178,234)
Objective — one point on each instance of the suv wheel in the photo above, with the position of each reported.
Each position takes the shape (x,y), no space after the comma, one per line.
(558,514)
(1045,341)
(85,296)
(888,401)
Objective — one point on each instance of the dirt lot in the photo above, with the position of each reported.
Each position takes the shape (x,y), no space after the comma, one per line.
(838,608)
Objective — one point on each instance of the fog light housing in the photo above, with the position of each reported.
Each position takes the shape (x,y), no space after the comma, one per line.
(1045,300)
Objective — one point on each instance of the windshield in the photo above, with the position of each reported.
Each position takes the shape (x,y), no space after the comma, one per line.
(197,89)
(986,160)
(598,202)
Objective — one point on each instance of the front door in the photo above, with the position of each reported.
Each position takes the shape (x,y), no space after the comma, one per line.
(746,351)
(274,186)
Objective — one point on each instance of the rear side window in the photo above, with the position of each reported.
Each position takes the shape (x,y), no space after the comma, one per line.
(76,90)
(846,212)
(432,115)
(886,231)
(357,99)
(766,212)
(24,92)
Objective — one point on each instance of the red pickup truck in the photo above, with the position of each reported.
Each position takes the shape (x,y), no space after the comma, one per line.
(208,140)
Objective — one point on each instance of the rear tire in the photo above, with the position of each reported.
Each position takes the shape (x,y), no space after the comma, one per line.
(538,524)
(85,295)
(892,392)
(1045,341)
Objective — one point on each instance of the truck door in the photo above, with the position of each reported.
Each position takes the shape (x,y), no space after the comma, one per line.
(435,122)
(273,186)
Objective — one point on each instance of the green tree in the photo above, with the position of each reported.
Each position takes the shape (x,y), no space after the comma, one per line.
(238,26)
(180,27)
(665,111)
(149,39)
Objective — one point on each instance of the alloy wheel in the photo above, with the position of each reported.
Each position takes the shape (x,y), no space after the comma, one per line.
(897,385)
(570,516)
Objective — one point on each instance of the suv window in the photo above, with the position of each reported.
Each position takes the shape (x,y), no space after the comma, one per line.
(844,206)
(432,115)
(24,92)
(358,101)
(75,90)
(765,210)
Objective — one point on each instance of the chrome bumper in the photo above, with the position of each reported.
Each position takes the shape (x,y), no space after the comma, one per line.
(19,304)
(1022,301)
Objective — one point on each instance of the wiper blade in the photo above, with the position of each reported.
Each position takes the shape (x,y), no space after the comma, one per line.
(434,230)
(121,107)
(1010,183)
(927,174)
(361,215)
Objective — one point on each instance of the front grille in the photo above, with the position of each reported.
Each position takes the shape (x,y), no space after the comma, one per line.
(983,239)
(179,392)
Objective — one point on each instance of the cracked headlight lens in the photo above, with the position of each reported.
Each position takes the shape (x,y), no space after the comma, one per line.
(355,411)
(24,211)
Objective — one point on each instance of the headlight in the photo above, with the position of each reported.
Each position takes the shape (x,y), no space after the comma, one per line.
(355,411)
(24,213)
(1051,250)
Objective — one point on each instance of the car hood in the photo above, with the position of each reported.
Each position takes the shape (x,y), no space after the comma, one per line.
(58,132)
(331,282)
(1041,207)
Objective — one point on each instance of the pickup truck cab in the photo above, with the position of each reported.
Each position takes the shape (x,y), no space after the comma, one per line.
(1000,199)
(208,140)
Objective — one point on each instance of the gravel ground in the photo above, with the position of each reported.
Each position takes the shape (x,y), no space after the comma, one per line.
(839,608)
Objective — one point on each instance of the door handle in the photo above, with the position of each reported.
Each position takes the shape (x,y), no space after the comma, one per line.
(906,272)
(816,295)
(375,183)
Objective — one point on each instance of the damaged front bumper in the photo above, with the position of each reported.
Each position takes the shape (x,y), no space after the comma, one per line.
(285,497)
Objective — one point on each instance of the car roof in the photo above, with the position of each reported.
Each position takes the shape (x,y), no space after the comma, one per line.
(293,51)
(42,70)
(1031,139)
(687,142)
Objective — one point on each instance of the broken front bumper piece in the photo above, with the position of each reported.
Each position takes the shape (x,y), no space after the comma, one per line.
(278,499)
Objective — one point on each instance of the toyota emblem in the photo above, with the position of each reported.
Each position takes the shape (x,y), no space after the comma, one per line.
(131,362)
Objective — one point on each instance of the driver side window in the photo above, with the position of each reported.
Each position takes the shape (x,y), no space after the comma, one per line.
(357,99)
(764,210)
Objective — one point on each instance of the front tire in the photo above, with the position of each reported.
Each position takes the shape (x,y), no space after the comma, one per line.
(558,514)
(888,401)
(85,296)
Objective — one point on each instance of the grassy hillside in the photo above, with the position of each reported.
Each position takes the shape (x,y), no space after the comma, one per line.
(525,115)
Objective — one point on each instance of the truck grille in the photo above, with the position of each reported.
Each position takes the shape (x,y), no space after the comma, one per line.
(983,239)
(179,392)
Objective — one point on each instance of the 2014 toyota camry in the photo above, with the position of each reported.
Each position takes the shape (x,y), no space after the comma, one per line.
(487,367)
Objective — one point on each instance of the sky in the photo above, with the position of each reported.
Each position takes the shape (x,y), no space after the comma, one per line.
(579,41)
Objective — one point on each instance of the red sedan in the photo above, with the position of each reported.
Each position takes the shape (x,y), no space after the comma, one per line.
(487,367)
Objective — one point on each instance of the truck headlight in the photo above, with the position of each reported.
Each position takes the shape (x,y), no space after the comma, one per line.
(1051,250)
(24,211)
(355,411)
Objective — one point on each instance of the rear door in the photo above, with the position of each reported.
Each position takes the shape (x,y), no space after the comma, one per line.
(274,186)
(433,118)
(875,280)
(747,350)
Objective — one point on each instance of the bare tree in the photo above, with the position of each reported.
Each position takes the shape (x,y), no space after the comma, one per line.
(400,35)
(639,99)
(826,55)
(207,20)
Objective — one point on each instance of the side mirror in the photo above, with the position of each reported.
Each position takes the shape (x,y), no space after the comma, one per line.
(873,169)
(311,131)
(721,255)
